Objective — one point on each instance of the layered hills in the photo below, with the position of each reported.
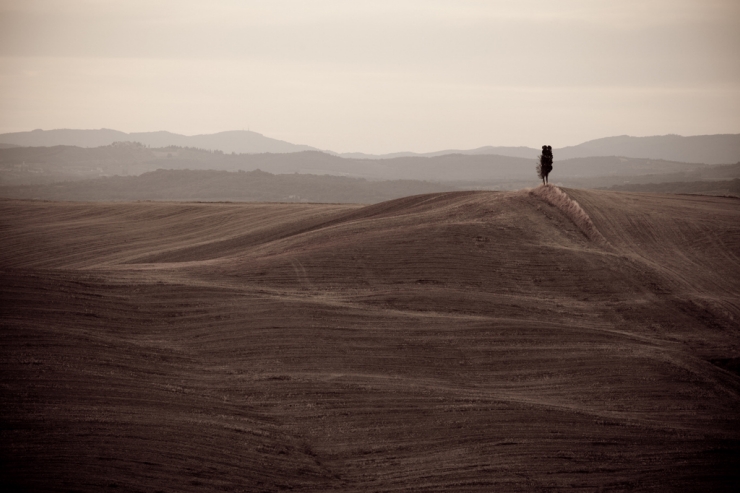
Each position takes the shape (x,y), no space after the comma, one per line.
(706,149)
(239,141)
(464,341)
(210,185)
(730,188)
(38,167)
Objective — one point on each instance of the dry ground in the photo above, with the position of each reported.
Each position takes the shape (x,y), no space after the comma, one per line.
(472,341)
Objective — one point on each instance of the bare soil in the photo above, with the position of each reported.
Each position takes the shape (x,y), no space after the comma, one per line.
(471,341)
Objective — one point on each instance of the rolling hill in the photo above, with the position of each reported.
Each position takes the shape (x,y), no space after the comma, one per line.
(464,341)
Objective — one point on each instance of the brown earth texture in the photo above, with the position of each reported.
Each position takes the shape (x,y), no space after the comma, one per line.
(465,341)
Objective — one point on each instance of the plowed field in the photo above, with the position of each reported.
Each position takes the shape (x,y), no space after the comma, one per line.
(471,341)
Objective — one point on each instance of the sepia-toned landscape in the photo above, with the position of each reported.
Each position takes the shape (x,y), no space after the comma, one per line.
(466,341)
(369,246)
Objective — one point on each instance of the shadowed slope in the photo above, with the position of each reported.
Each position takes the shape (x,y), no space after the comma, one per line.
(463,341)
(689,239)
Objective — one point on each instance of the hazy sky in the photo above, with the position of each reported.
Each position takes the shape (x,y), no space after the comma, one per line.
(374,76)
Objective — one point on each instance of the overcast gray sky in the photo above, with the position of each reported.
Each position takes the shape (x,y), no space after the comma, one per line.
(374,76)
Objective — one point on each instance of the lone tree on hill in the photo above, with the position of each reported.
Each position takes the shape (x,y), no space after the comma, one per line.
(545,165)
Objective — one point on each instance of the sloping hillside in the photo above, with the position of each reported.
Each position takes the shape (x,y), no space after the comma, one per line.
(466,341)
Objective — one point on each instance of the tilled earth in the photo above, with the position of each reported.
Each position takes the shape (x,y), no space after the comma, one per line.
(471,341)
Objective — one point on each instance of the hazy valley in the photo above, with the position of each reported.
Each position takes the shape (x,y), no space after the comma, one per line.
(133,171)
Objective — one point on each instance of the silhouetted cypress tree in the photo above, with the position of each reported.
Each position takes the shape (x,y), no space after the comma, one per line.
(545,165)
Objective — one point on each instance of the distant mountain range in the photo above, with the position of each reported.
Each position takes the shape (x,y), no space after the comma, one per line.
(237,141)
(40,165)
(521,152)
(706,149)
